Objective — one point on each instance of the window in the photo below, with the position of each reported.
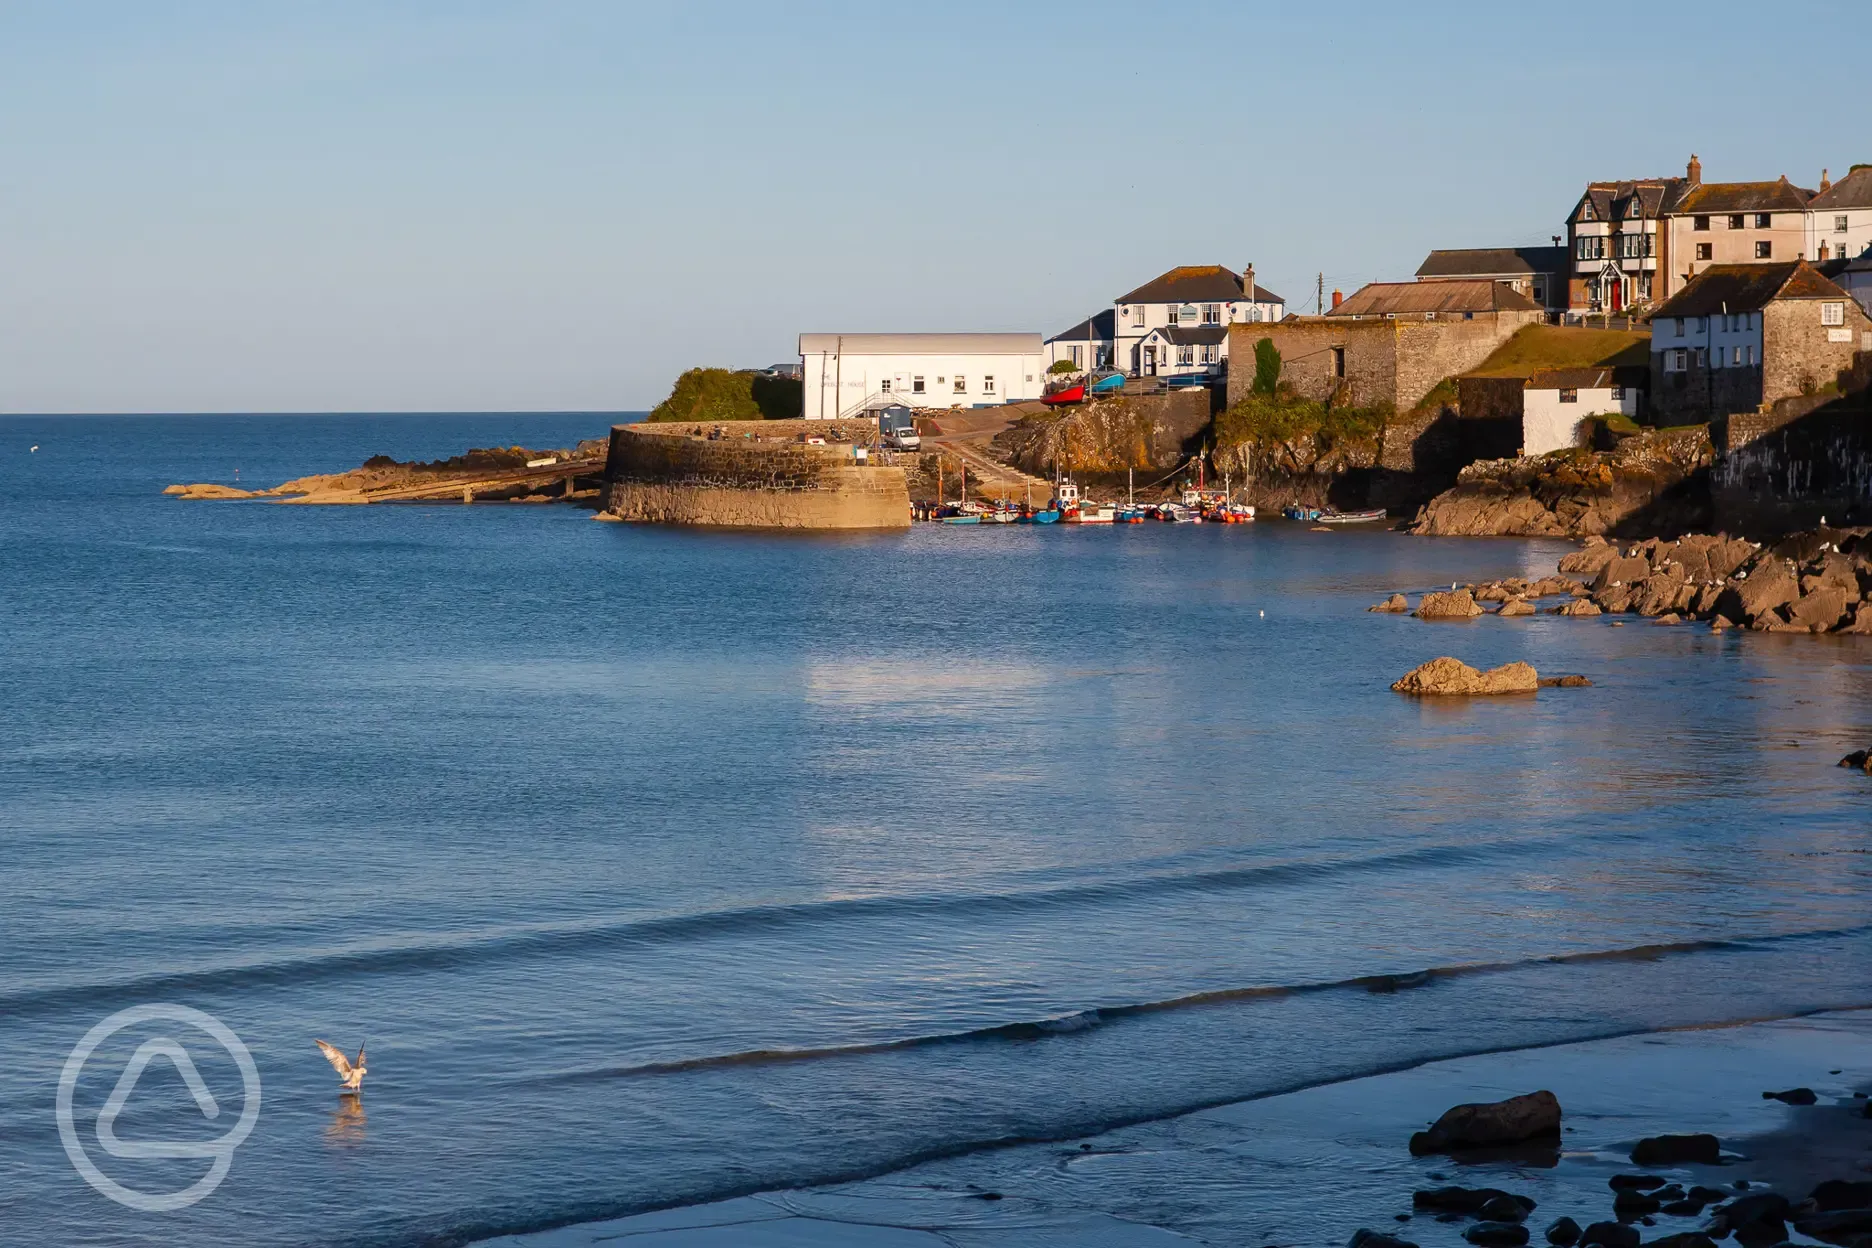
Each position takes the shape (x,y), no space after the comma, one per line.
(1839,225)
(1700,223)
(1590,247)
(1764,250)
(1208,355)
(1568,394)
(1618,394)
(1075,356)
(988,384)
(1702,357)
(1736,360)
(1137,315)
(1676,361)
(916,385)
(1212,314)
(1338,363)
(1186,355)
(884,386)
(1832,314)
(1644,280)
(961,384)
(1680,327)
(1704,250)
(1764,220)
(1540,290)
(1736,220)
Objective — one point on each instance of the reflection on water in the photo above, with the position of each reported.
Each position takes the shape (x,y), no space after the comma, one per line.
(346,1128)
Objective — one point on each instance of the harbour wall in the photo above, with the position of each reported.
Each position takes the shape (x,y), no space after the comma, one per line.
(755,474)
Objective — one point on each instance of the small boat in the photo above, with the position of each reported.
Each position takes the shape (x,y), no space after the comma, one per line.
(1294,511)
(1108,385)
(1348,517)
(965,518)
(1049,516)
(1177,513)
(1071,394)
(1097,513)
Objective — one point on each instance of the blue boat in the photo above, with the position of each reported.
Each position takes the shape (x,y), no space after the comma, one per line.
(1107,385)
(1049,516)
(969,518)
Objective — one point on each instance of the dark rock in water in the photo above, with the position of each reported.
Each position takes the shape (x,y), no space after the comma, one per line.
(1565,682)
(1683,1239)
(1707,1195)
(1465,1200)
(1630,1204)
(1377,1239)
(1862,759)
(1636,1182)
(1836,1227)
(1497,1234)
(1760,1207)
(1683,1208)
(1793,1096)
(1563,1233)
(1671,1150)
(1492,1124)
(1401,1217)
(1835,1194)
(1674,1191)
(1609,1235)
(1762,1234)
(987,1195)
(1504,1209)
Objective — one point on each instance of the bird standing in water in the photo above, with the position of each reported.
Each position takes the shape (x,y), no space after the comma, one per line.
(350,1073)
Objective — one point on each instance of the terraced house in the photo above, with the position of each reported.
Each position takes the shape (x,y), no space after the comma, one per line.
(1178,323)
(1839,218)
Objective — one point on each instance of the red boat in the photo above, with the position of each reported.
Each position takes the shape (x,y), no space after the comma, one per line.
(1071,394)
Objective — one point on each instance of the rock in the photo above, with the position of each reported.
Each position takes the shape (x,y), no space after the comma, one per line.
(1658,593)
(1837,1194)
(1634,1182)
(1671,1150)
(1793,1096)
(1708,1195)
(1453,604)
(1376,1239)
(1862,759)
(1672,1191)
(1609,1234)
(1505,1209)
(1516,606)
(1396,602)
(1565,682)
(1768,587)
(1720,623)
(1579,606)
(1465,1200)
(1669,617)
(1683,1239)
(1588,559)
(1756,1218)
(1834,1227)
(1447,677)
(1495,591)
(1497,1234)
(1623,570)
(1684,1208)
(207,491)
(607,517)
(1563,1233)
(1635,1204)
(1548,586)
(1819,610)
(1535,1116)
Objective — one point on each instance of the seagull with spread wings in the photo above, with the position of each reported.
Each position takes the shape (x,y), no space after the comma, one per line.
(350,1073)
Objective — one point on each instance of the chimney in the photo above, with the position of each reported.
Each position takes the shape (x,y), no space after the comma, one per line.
(1826,183)
(1337,299)
(1693,172)
(1248,283)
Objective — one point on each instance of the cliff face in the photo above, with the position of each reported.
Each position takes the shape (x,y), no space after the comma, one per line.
(1104,439)
(1653,483)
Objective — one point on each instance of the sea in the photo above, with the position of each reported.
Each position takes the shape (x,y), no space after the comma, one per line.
(653,866)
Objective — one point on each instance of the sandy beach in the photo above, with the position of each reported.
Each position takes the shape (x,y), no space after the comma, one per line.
(1313,1166)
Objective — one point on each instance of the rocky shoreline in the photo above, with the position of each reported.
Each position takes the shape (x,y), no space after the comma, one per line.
(505,470)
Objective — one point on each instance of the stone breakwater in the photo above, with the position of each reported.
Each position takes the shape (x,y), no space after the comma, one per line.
(1814,582)
(757,474)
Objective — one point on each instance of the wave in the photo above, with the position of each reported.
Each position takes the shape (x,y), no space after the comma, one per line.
(1085,1020)
(611,932)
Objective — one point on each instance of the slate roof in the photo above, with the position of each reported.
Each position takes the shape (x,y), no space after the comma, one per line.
(1852,191)
(1747,288)
(1095,328)
(1197,283)
(1490,261)
(1612,201)
(1718,197)
(1416,298)
(1192,335)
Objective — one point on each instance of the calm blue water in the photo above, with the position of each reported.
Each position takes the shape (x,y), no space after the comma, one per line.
(659,865)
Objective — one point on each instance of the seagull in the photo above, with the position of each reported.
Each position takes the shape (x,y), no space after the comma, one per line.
(350,1074)
(35,451)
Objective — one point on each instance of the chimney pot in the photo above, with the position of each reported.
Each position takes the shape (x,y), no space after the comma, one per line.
(1337,298)
(1693,172)
(1826,183)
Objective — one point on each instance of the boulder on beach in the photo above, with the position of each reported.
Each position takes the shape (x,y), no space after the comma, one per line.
(1363,1238)
(1465,1199)
(1563,1233)
(1579,606)
(1672,1150)
(1588,559)
(1453,604)
(1683,1239)
(1497,1234)
(1492,1124)
(1631,1203)
(1793,1096)
(1836,1194)
(1516,606)
(1396,602)
(1609,1235)
(1447,677)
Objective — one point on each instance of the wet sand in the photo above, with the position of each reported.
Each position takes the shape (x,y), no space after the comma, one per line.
(1312,1166)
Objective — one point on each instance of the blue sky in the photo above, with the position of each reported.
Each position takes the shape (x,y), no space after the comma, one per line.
(493,206)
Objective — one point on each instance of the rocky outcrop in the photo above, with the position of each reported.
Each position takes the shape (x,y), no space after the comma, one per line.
(208,491)
(1492,1124)
(1396,604)
(1447,677)
(1516,606)
(1455,604)
(1657,480)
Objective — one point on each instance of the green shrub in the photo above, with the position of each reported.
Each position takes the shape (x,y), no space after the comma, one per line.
(1267,367)
(1062,366)
(779,398)
(1282,416)
(710,394)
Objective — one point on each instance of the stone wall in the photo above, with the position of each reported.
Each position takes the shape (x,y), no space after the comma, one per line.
(665,473)
(1396,361)
(1790,463)
(1693,394)
(1802,356)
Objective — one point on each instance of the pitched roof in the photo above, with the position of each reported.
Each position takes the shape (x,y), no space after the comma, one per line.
(1747,288)
(1488,261)
(1095,328)
(1197,283)
(1715,197)
(1536,349)
(1407,298)
(1613,201)
(920,344)
(1852,191)
(1192,335)
(1589,378)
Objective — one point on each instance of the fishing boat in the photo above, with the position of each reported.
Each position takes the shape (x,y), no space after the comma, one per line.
(1294,511)
(1107,385)
(1075,393)
(1097,513)
(1348,517)
(967,517)
(1177,513)
(1050,515)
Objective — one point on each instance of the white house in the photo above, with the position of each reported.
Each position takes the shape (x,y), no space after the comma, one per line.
(1087,345)
(1856,280)
(1556,402)
(844,374)
(1839,218)
(1178,323)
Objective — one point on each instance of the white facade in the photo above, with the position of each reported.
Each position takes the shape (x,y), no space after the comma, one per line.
(1199,297)
(844,374)
(1551,416)
(1733,340)
(1857,282)
(1087,346)
(1839,218)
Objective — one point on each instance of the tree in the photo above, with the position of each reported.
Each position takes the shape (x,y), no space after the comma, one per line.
(1062,366)
(710,394)
(1267,366)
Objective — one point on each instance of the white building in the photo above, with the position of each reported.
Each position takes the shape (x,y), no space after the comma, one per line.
(1556,403)
(844,374)
(1839,218)
(1087,346)
(1856,280)
(1178,323)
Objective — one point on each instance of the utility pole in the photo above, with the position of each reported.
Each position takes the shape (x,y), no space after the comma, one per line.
(1319,297)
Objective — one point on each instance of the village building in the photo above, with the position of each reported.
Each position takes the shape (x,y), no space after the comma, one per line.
(1539,391)
(1540,273)
(1839,218)
(1856,280)
(1178,323)
(1615,243)
(1087,346)
(1389,343)
(844,375)
(1731,223)
(1740,337)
